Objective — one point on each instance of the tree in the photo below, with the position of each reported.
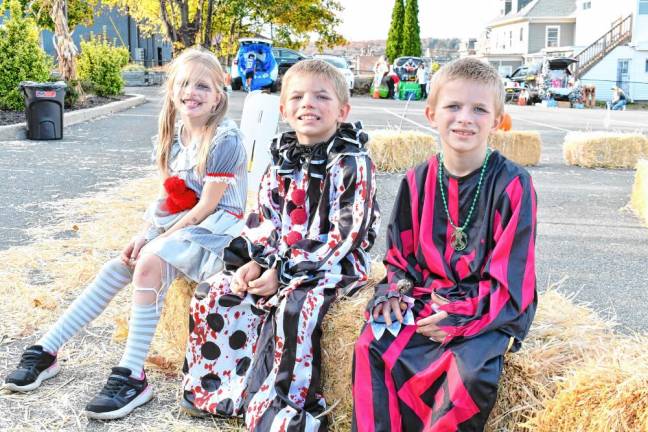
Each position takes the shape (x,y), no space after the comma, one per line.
(395,35)
(411,30)
(66,51)
(79,12)
(217,24)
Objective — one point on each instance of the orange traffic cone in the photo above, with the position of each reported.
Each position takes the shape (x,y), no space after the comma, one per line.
(376,93)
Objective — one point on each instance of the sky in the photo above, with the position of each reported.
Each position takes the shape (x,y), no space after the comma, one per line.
(370,19)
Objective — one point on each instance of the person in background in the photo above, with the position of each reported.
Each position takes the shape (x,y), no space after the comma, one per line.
(619,99)
(250,66)
(422,79)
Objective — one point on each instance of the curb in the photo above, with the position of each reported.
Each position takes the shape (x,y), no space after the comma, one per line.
(18,131)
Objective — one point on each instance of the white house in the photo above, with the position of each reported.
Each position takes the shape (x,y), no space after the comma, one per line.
(526,31)
(612,46)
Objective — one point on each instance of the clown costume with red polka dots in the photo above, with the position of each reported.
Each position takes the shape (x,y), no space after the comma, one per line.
(254,344)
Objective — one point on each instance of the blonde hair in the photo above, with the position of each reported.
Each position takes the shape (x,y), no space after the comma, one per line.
(203,63)
(469,69)
(320,69)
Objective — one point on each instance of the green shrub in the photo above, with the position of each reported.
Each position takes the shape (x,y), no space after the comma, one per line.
(21,58)
(100,62)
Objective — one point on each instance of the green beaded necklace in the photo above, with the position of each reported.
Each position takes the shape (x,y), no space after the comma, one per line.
(459,238)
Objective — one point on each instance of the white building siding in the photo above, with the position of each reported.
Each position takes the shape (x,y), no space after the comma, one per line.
(640,27)
(592,23)
(506,39)
(604,74)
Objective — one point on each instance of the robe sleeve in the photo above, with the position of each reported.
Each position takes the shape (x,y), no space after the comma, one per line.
(506,297)
(400,260)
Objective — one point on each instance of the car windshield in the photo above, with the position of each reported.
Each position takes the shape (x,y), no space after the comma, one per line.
(339,63)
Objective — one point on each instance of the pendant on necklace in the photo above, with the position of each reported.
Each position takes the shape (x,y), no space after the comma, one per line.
(458,240)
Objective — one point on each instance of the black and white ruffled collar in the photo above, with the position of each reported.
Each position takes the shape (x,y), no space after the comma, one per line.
(289,155)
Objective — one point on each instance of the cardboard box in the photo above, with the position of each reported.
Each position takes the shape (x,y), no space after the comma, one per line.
(564,104)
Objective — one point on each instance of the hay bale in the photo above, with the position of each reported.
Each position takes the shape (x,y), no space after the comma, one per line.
(168,346)
(394,151)
(639,198)
(341,328)
(522,147)
(608,393)
(604,149)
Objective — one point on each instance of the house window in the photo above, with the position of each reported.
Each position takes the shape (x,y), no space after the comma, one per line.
(646,67)
(511,38)
(521,34)
(552,36)
(643,7)
(587,5)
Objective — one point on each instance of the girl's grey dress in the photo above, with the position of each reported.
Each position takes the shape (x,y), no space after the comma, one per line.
(197,250)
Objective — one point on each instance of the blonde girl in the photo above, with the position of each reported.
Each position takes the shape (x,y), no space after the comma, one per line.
(201,161)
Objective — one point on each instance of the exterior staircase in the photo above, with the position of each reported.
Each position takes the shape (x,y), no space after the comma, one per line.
(620,33)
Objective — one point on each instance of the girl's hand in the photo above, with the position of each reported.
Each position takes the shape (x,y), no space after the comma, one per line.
(243,275)
(266,285)
(131,252)
(386,308)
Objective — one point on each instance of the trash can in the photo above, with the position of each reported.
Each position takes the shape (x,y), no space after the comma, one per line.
(44,109)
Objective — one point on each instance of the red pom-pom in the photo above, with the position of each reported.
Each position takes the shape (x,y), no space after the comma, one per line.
(174,185)
(298,216)
(293,237)
(298,197)
(179,196)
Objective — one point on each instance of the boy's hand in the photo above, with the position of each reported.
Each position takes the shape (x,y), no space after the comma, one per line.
(243,276)
(266,285)
(387,307)
(429,327)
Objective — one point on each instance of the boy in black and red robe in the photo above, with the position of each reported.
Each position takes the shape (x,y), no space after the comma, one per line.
(460,288)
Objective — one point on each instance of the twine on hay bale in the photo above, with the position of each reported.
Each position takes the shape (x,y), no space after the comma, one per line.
(604,149)
(639,198)
(394,151)
(522,147)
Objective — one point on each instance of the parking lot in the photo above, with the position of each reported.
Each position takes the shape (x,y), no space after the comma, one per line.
(586,235)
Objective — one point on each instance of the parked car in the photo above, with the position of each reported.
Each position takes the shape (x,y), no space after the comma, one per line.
(266,68)
(405,67)
(555,73)
(287,57)
(341,64)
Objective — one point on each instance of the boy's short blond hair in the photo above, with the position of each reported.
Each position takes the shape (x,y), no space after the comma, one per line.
(469,69)
(318,68)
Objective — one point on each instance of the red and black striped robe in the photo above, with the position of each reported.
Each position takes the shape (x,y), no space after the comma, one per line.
(410,383)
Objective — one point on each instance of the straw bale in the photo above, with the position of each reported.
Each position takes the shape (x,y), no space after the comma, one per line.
(341,328)
(604,149)
(608,393)
(522,147)
(639,198)
(394,151)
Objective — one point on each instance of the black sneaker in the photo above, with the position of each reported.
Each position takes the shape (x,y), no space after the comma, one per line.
(36,365)
(187,406)
(121,395)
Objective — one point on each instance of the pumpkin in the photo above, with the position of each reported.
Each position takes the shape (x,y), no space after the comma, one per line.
(506,122)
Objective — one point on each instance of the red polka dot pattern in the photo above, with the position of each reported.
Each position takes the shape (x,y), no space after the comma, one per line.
(298,197)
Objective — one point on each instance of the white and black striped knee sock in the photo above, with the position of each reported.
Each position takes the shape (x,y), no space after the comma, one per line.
(112,277)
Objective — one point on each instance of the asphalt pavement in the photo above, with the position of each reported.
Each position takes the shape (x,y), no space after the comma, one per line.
(586,235)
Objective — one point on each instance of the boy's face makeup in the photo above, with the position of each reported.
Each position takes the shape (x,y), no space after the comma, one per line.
(195,94)
(464,115)
(312,108)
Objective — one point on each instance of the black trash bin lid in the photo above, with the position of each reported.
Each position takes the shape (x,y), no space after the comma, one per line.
(44,85)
